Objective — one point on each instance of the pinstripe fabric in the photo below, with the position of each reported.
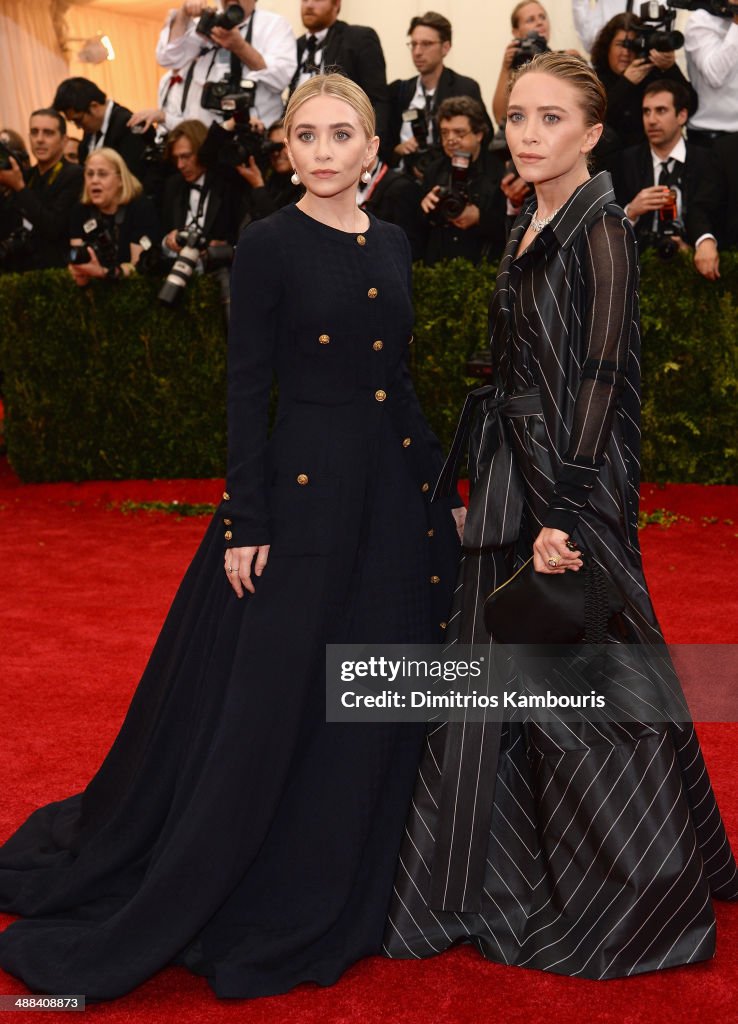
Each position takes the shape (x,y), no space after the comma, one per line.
(601,844)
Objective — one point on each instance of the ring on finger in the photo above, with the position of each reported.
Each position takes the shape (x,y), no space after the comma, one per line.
(553,562)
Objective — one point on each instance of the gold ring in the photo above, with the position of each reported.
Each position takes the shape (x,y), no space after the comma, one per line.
(553,562)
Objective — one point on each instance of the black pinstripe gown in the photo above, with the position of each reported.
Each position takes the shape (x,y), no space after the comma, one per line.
(588,849)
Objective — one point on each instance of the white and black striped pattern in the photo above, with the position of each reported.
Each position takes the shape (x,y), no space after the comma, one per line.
(602,842)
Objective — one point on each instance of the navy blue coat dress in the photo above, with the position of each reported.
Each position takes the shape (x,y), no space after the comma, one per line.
(230,828)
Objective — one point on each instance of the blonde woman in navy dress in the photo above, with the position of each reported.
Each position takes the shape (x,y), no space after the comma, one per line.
(595,850)
(230,828)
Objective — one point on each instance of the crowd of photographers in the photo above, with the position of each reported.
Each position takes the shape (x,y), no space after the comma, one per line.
(167,191)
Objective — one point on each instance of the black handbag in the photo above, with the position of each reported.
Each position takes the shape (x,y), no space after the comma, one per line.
(553,608)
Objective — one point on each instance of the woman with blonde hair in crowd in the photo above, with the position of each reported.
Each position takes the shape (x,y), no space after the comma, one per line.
(111,219)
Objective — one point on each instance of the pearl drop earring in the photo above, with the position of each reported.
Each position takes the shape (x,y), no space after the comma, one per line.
(295,179)
(366,176)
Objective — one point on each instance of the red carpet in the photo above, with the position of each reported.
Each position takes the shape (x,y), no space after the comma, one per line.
(83,589)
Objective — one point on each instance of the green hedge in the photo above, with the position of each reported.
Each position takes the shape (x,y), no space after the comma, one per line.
(103,382)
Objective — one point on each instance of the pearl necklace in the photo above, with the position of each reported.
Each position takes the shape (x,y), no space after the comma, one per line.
(539,223)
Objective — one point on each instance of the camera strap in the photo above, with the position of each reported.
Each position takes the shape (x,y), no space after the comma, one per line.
(236,65)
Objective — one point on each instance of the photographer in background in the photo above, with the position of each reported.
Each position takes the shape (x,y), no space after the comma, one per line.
(531,30)
(43,199)
(13,233)
(395,197)
(711,46)
(462,200)
(272,187)
(109,223)
(625,70)
(228,46)
(104,122)
(199,197)
(662,184)
(412,133)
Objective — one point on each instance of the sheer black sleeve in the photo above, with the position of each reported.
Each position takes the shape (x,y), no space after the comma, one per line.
(611,273)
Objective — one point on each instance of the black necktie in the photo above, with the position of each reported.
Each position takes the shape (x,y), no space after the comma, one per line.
(664,176)
(310,48)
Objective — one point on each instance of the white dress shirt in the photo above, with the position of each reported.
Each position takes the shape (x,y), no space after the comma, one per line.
(305,75)
(589,19)
(418,103)
(271,36)
(170,97)
(98,140)
(711,45)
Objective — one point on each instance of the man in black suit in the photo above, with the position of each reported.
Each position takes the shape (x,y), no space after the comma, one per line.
(429,43)
(665,166)
(201,195)
(354,49)
(41,201)
(720,200)
(104,123)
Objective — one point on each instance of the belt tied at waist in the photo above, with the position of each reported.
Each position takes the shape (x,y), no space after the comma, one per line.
(496,500)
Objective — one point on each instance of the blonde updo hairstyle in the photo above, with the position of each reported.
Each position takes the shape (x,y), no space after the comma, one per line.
(341,88)
(575,71)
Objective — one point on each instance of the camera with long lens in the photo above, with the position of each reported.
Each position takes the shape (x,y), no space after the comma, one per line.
(96,237)
(655,34)
(718,8)
(425,152)
(453,198)
(233,99)
(211,18)
(528,48)
(194,248)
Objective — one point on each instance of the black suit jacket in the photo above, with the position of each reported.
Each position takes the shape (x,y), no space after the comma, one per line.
(222,216)
(396,199)
(357,51)
(120,138)
(635,172)
(720,195)
(401,92)
(47,202)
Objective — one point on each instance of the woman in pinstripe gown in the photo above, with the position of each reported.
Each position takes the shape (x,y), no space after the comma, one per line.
(590,850)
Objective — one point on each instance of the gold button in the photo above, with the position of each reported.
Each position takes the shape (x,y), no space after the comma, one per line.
(372,293)
(228,535)
(227,522)
(380,395)
(443,624)
(431,532)
(361,240)
(406,442)
(378,346)
(425,488)
(435,579)
(226,496)
(303,479)
(325,339)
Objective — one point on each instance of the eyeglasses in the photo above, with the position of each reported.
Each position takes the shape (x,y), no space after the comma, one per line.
(422,45)
(455,133)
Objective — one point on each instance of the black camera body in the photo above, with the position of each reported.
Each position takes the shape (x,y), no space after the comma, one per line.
(194,247)
(99,239)
(669,230)
(528,48)
(246,142)
(453,198)
(718,8)
(655,34)
(228,19)
(228,97)
(6,153)
(425,153)
(17,245)
(156,151)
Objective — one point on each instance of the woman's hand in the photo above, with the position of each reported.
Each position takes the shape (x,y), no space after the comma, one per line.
(251,173)
(238,563)
(508,55)
(459,515)
(83,272)
(551,554)
(637,71)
